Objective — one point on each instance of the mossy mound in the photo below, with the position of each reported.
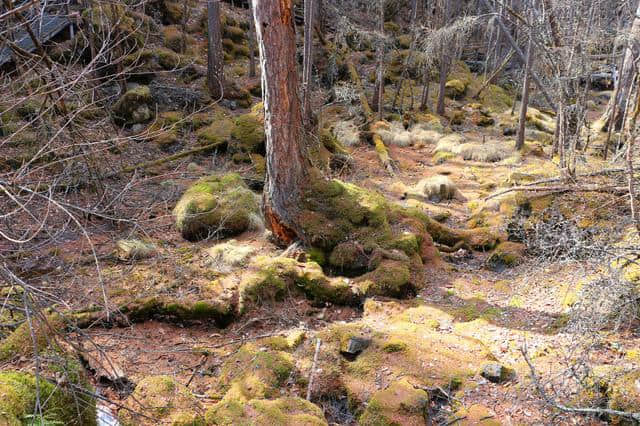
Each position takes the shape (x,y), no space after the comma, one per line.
(476,415)
(216,206)
(149,61)
(164,400)
(436,189)
(135,106)
(455,89)
(60,405)
(506,255)
(399,404)
(20,342)
(133,249)
(248,134)
(167,128)
(173,38)
(290,411)
(404,340)
(540,121)
(263,371)
(170,12)
(216,133)
(496,99)
(133,28)
(271,279)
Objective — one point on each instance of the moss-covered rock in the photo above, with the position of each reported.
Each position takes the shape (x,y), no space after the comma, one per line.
(476,415)
(248,134)
(290,411)
(173,38)
(404,341)
(162,399)
(263,372)
(272,279)
(59,404)
(390,278)
(506,254)
(216,206)
(133,249)
(455,89)
(217,133)
(399,404)
(135,106)
(20,342)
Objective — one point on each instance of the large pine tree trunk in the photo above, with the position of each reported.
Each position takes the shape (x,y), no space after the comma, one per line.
(617,108)
(307,62)
(215,60)
(287,166)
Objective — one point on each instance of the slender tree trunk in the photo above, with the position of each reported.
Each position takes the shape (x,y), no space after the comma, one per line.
(525,95)
(444,70)
(306,62)
(252,46)
(520,54)
(215,60)
(616,110)
(287,166)
(425,92)
(378,95)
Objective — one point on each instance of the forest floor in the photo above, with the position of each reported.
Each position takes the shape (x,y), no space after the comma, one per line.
(466,313)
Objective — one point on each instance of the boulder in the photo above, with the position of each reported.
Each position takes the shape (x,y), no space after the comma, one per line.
(216,206)
(497,373)
(135,106)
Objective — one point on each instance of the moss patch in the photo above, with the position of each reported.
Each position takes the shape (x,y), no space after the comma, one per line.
(164,399)
(216,206)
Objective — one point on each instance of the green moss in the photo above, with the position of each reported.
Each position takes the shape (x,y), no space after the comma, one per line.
(216,205)
(18,396)
(399,404)
(134,106)
(164,399)
(390,278)
(394,345)
(442,157)
(455,89)
(173,39)
(218,132)
(496,99)
(283,411)
(261,375)
(272,279)
(506,254)
(167,59)
(236,34)
(248,134)
(20,342)
(317,255)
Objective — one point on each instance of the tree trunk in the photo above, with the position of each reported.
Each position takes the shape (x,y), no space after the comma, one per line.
(215,60)
(525,95)
(252,46)
(444,70)
(378,95)
(306,62)
(287,166)
(617,108)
